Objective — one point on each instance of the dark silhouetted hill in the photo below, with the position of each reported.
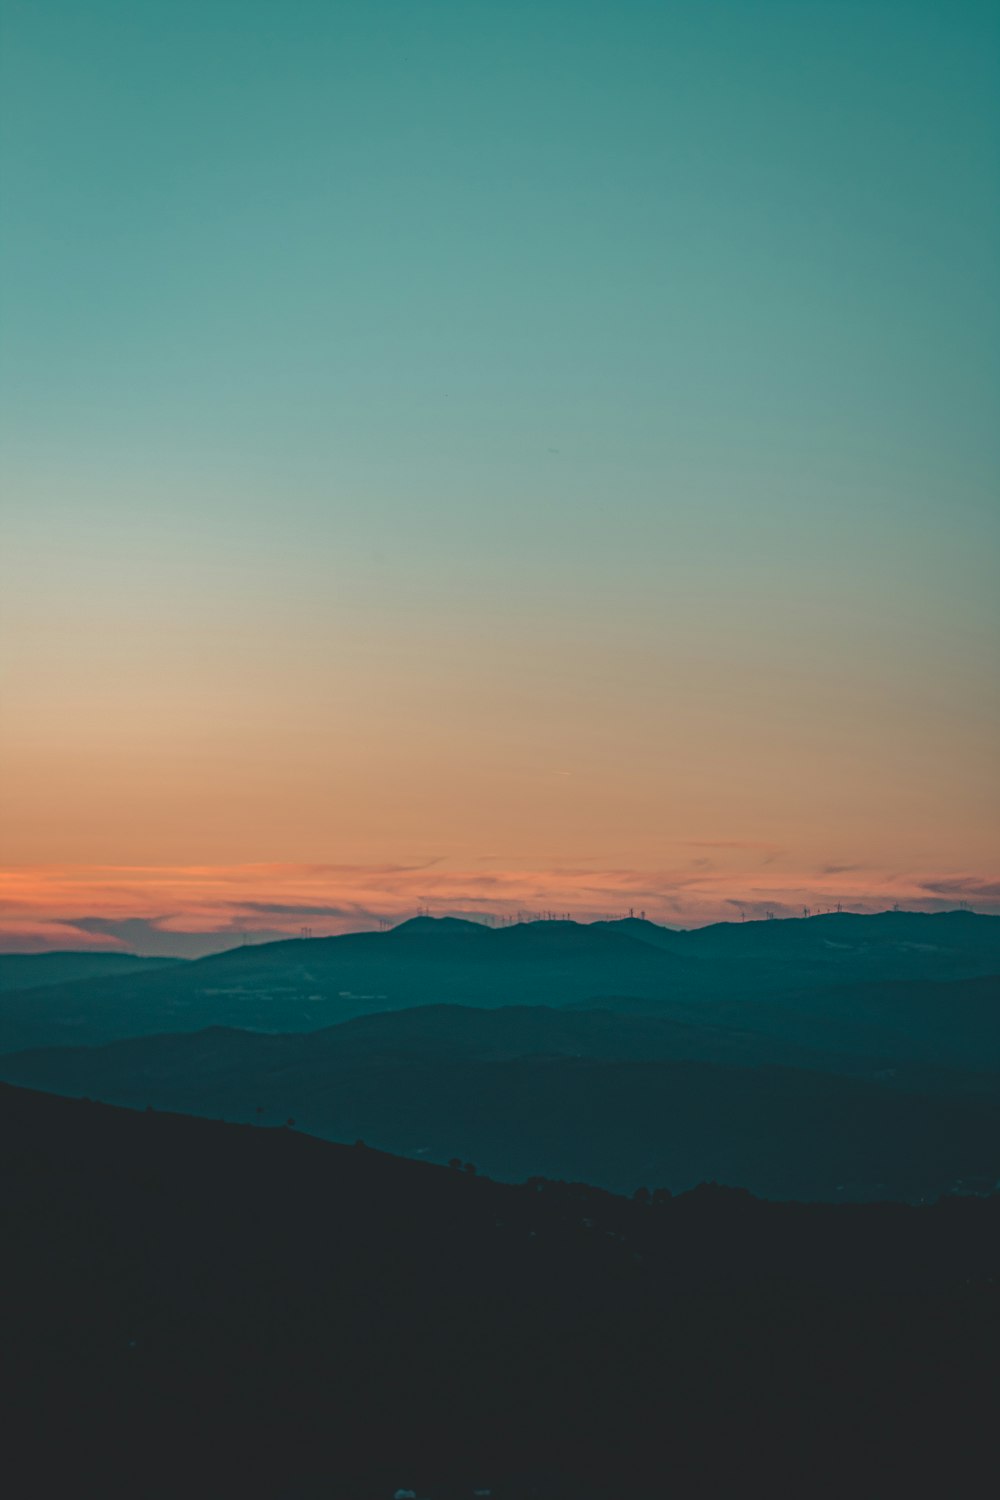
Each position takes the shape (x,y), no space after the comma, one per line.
(196,1309)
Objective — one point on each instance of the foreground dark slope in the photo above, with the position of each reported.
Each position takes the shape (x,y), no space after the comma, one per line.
(305,985)
(618,1100)
(191,1308)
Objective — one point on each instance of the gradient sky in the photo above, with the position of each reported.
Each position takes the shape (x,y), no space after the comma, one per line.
(514,454)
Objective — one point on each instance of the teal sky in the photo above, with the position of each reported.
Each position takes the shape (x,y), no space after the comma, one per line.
(402,402)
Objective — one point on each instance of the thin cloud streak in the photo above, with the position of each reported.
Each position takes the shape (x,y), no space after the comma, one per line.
(184,909)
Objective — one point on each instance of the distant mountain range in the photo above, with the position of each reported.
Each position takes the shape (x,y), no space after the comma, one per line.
(303,985)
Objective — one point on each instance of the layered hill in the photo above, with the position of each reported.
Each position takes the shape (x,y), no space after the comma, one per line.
(303,985)
(611,1098)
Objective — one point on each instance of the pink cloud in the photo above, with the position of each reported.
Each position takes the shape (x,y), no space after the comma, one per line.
(37,904)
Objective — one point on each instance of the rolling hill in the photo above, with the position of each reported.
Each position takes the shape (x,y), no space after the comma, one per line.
(304,985)
(615,1099)
(301,985)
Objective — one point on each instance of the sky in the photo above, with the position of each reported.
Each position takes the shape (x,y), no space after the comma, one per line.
(496,456)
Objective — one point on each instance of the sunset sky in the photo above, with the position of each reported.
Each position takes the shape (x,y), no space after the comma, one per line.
(496,456)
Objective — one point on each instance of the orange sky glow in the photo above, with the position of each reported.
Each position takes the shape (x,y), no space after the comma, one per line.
(195,909)
(512,480)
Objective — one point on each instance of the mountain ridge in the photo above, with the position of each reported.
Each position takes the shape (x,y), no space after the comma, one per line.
(304,984)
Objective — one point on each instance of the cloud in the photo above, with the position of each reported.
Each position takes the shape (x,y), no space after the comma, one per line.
(27,936)
(297,909)
(964,887)
(150,938)
(194,909)
(759,909)
(752,845)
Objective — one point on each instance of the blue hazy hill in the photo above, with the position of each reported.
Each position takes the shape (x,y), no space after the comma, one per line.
(26,971)
(304,985)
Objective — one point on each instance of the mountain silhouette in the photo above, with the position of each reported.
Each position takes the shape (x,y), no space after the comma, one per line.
(303,985)
(194,1308)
